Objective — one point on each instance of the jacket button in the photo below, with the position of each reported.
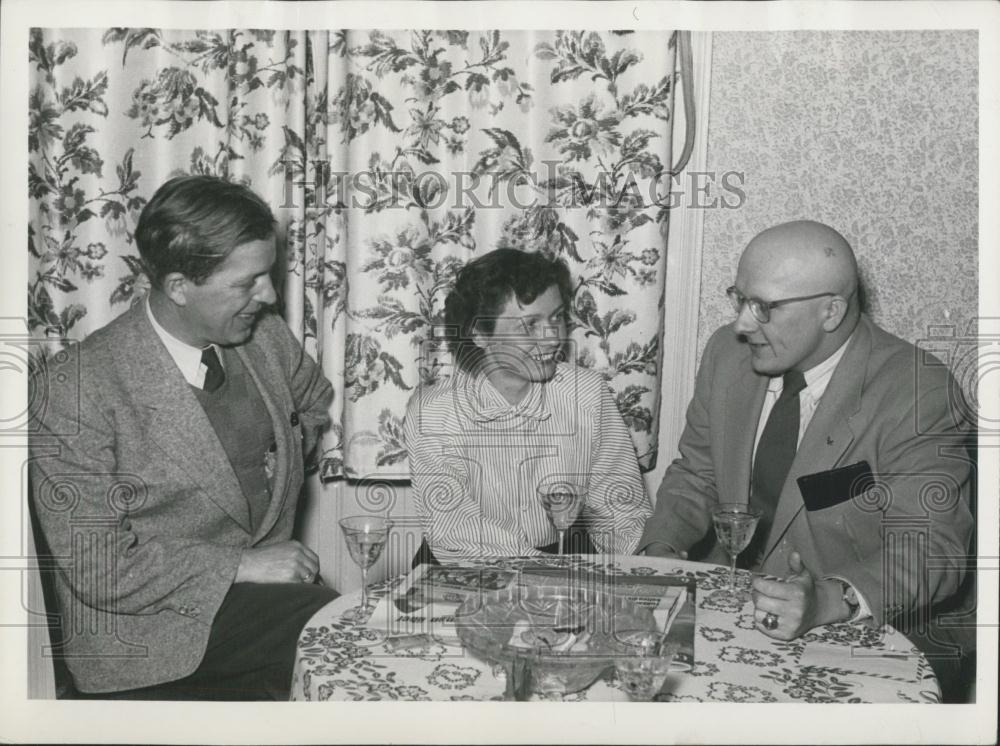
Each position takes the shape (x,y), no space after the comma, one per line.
(295,419)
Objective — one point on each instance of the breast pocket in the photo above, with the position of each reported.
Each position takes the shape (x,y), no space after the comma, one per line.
(826,489)
(842,510)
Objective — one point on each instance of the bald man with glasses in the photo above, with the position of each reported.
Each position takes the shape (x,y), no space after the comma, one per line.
(812,414)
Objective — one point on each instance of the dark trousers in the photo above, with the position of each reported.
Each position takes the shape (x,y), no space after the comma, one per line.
(577,542)
(251,648)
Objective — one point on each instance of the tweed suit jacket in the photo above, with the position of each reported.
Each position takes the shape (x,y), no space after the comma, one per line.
(138,500)
(887,404)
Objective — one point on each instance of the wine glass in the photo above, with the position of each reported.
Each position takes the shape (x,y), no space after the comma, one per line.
(735,524)
(366,535)
(563,502)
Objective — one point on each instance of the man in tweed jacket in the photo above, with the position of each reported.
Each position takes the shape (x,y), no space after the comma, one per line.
(170,462)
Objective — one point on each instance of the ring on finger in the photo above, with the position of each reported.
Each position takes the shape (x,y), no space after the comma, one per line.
(770,621)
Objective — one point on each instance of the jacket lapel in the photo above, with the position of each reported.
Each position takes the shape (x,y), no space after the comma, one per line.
(178,424)
(829,433)
(744,399)
(261,372)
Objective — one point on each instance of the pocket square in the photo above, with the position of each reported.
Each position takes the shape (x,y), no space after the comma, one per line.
(828,488)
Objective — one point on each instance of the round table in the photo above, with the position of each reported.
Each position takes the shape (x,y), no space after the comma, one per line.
(733,660)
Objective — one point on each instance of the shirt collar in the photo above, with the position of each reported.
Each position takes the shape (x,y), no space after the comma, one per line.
(817,377)
(186,357)
(489,405)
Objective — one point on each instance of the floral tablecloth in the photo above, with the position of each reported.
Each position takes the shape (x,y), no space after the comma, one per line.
(734,661)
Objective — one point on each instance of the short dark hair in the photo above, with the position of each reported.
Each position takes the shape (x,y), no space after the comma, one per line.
(483,287)
(192,223)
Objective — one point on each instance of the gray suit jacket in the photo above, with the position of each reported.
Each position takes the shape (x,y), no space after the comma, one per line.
(138,500)
(902,544)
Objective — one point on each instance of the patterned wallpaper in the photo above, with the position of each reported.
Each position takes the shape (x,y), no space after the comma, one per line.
(872,132)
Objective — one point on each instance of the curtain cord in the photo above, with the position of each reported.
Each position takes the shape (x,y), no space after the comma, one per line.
(686,64)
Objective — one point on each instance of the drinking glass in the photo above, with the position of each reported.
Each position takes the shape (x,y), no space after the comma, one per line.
(563,502)
(366,535)
(643,674)
(735,524)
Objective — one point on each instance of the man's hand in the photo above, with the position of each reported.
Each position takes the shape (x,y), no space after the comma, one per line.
(800,601)
(287,562)
(659,549)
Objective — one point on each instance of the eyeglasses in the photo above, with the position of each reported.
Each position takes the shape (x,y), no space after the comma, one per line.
(761,309)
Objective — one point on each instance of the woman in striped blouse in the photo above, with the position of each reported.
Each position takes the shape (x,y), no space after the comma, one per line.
(513,417)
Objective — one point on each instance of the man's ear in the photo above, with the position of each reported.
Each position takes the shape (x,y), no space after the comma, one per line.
(175,287)
(836,311)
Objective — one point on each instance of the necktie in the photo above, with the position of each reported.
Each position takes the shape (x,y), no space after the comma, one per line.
(214,375)
(775,453)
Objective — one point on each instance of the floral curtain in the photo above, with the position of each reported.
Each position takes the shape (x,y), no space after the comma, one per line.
(391,159)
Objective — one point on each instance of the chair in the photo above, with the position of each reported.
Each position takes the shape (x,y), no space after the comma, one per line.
(48,675)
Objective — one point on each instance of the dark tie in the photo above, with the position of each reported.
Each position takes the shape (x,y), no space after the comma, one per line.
(214,375)
(775,453)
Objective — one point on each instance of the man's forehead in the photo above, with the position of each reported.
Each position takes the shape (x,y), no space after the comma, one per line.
(251,253)
(773,269)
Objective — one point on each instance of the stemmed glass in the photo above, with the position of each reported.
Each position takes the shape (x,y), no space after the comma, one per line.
(735,524)
(563,502)
(366,535)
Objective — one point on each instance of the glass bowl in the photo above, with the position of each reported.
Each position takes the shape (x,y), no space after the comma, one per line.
(551,639)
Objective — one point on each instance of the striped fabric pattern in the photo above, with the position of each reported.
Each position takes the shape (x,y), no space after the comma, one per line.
(476,464)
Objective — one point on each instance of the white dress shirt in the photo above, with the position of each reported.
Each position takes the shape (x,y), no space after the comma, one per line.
(817,379)
(187,358)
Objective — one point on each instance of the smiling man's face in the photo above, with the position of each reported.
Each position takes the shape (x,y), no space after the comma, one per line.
(224,308)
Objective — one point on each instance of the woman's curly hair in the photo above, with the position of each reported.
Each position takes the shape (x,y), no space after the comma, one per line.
(484,285)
